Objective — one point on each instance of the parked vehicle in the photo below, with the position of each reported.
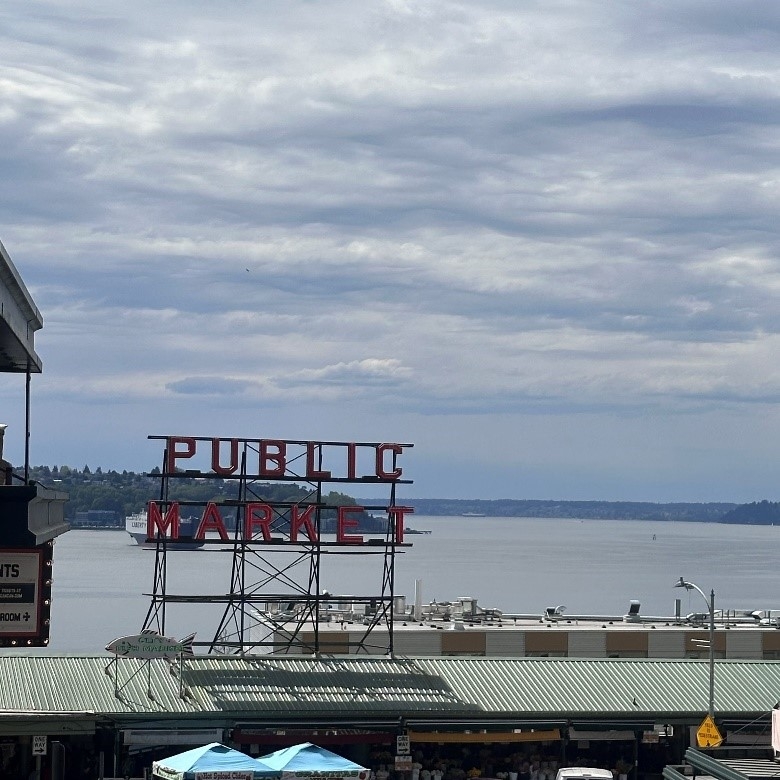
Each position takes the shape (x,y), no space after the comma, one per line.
(583,773)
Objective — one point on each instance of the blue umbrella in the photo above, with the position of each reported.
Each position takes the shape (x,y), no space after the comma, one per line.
(308,760)
(209,761)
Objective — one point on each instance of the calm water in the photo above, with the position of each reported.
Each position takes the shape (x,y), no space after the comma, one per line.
(514,564)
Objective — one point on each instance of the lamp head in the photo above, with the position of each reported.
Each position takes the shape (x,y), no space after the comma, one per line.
(683,584)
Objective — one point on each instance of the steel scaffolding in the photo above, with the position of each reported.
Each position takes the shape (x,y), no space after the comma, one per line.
(275,602)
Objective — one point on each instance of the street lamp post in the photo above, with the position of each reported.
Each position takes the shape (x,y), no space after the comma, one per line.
(711,606)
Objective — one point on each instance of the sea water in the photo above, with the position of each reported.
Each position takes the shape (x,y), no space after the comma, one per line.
(103,581)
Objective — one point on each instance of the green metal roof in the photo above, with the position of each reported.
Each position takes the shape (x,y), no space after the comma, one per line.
(75,684)
(598,686)
(289,688)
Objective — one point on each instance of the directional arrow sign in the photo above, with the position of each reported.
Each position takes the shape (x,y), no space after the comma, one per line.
(707,734)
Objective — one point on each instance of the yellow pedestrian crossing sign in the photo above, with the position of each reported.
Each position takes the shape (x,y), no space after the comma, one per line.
(707,734)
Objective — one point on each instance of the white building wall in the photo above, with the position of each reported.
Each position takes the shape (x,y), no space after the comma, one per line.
(744,644)
(417,642)
(507,644)
(587,644)
(665,644)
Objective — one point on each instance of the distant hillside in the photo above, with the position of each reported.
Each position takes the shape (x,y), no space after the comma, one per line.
(127,492)
(757,513)
(586,510)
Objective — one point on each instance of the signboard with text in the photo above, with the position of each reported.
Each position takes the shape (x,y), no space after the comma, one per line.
(271,460)
(708,734)
(244,506)
(20,592)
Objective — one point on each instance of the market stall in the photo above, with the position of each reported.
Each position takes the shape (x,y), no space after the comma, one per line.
(304,761)
(212,762)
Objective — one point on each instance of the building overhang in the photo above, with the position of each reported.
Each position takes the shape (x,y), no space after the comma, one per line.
(32,514)
(19,320)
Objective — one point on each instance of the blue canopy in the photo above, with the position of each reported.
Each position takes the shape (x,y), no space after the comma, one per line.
(211,762)
(307,760)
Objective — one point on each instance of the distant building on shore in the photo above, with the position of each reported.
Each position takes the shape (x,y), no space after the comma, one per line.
(97,518)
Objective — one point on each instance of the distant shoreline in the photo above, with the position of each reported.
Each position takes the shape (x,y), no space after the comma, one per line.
(757,513)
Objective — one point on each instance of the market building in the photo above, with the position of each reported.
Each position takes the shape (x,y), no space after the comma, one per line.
(462,627)
(32,514)
(461,716)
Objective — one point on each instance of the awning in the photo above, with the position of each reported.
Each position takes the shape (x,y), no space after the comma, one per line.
(170,736)
(485,737)
(41,726)
(611,735)
(248,736)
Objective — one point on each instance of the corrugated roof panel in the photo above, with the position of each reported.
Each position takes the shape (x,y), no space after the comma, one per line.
(301,687)
(306,686)
(82,684)
(623,686)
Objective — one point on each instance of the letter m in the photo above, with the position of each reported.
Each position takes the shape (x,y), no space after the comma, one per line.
(155,522)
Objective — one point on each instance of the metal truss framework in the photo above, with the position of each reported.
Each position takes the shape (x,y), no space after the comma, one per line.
(275,602)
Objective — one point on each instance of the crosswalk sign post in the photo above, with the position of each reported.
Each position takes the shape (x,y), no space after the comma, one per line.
(708,734)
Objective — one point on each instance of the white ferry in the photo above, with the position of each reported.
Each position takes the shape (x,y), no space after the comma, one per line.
(135,525)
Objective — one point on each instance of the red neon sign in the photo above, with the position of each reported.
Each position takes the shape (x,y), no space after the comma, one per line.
(315,461)
(276,460)
(256,525)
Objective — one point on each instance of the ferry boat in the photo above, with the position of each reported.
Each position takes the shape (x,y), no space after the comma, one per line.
(135,525)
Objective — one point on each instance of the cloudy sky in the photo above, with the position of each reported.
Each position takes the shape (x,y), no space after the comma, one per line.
(538,240)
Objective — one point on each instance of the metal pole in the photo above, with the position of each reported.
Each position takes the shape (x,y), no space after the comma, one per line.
(27,427)
(683,583)
(712,653)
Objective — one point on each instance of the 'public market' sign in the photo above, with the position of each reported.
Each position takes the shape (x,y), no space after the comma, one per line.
(194,457)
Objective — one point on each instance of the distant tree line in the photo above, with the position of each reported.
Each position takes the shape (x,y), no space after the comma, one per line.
(756,513)
(584,510)
(128,492)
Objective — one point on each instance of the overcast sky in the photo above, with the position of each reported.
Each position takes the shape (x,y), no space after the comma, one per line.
(538,240)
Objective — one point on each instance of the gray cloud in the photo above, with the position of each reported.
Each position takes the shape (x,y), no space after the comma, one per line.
(423,212)
(208,386)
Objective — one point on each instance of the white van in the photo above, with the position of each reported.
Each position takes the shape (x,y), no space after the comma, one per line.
(583,773)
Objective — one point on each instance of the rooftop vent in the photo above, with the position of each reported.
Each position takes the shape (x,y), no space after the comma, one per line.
(632,616)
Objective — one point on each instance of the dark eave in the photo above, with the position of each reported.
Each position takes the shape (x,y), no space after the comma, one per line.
(19,319)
